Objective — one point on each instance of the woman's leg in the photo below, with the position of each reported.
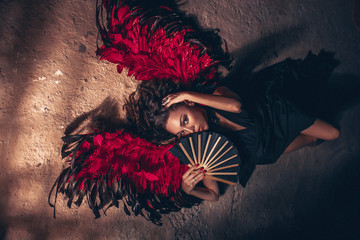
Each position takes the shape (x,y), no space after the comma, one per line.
(322,130)
(300,142)
(319,129)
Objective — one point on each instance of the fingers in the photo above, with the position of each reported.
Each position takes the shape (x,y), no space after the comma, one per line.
(195,178)
(192,177)
(173,99)
(189,171)
(194,174)
(166,102)
(200,176)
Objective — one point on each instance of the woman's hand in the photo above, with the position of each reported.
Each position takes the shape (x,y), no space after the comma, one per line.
(192,177)
(175,98)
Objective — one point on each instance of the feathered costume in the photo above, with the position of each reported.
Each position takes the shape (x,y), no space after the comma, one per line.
(153,41)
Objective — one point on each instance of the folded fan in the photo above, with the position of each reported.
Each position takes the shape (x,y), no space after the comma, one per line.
(212,151)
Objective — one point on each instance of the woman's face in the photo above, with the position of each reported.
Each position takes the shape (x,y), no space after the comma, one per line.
(187,119)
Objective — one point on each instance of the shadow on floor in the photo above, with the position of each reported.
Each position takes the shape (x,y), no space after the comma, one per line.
(105,117)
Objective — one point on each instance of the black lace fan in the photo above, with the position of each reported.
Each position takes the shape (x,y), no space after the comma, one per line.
(212,151)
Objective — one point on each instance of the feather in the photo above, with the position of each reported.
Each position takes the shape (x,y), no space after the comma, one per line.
(145,37)
(107,167)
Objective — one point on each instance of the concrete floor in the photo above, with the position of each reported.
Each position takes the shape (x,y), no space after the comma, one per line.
(49,75)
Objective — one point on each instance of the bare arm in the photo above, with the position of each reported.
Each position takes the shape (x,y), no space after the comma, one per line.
(210,192)
(222,99)
(224,91)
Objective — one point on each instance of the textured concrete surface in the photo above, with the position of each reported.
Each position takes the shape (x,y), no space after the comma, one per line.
(49,75)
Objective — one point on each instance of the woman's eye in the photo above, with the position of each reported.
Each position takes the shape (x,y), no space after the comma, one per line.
(186,120)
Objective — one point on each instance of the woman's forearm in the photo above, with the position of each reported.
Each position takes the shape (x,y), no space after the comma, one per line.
(209,193)
(205,194)
(215,101)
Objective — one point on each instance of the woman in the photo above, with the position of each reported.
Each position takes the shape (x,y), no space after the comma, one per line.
(135,165)
(263,126)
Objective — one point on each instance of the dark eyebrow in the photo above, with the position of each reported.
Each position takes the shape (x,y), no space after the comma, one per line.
(179,133)
(181,124)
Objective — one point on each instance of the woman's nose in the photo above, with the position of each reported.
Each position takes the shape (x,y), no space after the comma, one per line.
(190,129)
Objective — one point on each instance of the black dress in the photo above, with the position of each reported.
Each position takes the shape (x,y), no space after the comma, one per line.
(271,111)
(266,134)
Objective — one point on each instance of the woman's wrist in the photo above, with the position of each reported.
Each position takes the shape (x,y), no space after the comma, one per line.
(195,97)
(189,96)
(187,191)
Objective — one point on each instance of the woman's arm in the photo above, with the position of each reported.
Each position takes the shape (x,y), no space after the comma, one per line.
(222,99)
(210,192)
(191,177)
(224,91)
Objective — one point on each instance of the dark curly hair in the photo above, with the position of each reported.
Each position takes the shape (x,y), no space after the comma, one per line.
(145,112)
